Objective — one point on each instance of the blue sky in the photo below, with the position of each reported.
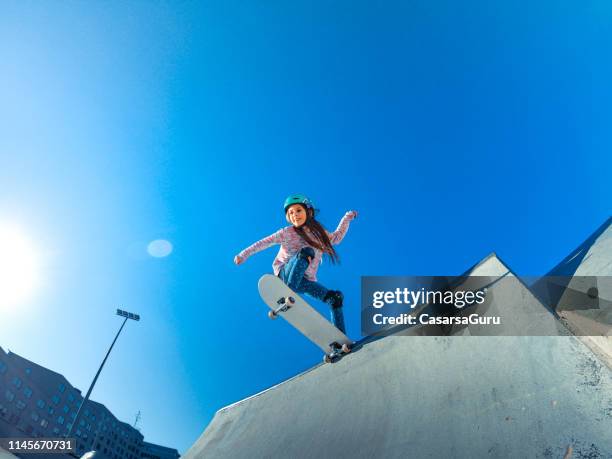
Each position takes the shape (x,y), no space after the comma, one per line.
(455,129)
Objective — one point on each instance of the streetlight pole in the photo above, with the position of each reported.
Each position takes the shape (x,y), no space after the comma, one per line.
(127,315)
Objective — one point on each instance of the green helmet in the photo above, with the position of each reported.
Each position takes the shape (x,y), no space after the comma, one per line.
(299,199)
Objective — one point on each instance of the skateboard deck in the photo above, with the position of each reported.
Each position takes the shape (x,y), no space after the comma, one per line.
(300,314)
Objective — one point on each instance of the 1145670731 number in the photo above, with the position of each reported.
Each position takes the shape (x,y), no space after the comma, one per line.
(38,445)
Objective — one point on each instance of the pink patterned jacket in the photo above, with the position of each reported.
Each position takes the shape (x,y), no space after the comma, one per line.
(291,243)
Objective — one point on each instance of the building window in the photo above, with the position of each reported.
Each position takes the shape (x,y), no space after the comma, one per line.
(56,431)
(65,409)
(44,423)
(51,410)
(62,388)
(28,371)
(20,405)
(60,420)
(2,367)
(17,382)
(86,412)
(82,423)
(56,399)
(27,392)
(35,417)
(69,426)
(72,415)
(40,404)
(70,398)
(9,395)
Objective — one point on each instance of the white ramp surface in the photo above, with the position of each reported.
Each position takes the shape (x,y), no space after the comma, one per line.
(429,397)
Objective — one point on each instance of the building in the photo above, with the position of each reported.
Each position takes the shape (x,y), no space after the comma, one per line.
(38,402)
(151,451)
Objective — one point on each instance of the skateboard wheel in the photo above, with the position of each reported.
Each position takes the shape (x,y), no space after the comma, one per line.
(272,315)
(346,348)
(332,357)
(290,300)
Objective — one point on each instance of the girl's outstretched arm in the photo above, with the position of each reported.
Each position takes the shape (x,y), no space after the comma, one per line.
(337,236)
(260,245)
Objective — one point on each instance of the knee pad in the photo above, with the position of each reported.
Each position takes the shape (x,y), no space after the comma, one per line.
(334,298)
(306,252)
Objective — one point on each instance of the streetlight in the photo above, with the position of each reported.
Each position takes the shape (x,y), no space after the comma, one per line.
(127,315)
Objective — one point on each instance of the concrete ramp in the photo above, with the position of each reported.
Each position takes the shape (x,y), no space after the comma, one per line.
(437,397)
(508,298)
(591,258)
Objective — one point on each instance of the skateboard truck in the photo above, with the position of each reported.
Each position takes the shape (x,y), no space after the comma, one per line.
(337,352)
(284,303)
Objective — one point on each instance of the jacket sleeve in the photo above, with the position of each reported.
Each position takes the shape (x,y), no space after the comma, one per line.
(337,236)
(262,244)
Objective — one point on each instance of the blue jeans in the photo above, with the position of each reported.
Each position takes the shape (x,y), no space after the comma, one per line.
(292,274)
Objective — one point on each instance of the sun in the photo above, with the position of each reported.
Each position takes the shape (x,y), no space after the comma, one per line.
(18,267)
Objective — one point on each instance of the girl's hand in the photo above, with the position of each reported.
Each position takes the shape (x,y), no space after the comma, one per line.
(352,214)
(238,260)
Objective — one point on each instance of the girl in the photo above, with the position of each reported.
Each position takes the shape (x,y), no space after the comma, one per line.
(302,247)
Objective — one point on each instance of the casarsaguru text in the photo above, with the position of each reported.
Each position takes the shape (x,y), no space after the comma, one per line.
(426,319)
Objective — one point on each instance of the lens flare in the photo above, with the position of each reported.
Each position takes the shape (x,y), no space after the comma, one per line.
(159,248)
(18,267)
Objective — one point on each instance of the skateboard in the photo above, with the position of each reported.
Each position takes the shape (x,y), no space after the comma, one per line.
(286,303)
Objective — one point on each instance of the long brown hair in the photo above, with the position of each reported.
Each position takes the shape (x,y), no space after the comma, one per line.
(320,239)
